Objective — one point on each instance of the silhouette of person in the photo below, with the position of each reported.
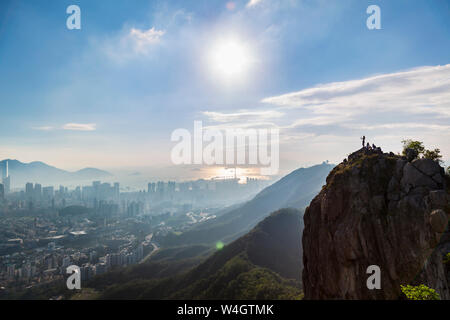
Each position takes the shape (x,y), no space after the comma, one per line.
(363,140)
(368,146)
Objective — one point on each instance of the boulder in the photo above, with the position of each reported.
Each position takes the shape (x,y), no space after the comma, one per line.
(414,177)
(427,166)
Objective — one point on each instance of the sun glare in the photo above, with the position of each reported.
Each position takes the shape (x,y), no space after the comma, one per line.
(229,58)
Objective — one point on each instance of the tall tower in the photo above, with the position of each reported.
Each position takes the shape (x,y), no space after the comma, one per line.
(7,180)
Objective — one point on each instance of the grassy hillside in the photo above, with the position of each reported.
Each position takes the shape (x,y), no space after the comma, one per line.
(263,264)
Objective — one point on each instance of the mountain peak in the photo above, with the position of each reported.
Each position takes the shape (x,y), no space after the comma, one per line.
(40,172)
(377,209)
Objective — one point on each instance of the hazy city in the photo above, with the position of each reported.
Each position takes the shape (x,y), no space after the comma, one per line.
(45,229)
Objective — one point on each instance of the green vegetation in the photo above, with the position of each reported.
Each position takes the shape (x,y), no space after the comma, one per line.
(434,155)
(240,279)
(180,253)
(264,264)
(418,146)
(447,258)
(85,294)
(411,144)
(421,292)
(151,270)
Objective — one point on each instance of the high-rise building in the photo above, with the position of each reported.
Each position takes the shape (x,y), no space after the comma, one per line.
(2,191)
(37,191)
(66,262)
(77,193)
(7,180)
(48,193)
(116,190)
(29,190)
(11,271)
(151,188)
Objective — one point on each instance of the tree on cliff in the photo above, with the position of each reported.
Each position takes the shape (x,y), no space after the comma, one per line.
(418,146)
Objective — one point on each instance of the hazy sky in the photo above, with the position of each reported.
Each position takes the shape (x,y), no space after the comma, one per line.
(110,95)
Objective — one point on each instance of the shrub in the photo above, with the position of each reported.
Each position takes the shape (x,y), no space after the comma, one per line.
(434,155)
(447,258)
(415,145)
(421,292)
(418,146)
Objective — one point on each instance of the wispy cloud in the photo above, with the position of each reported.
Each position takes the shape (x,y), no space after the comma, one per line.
(401,102)
(387,108)
(400,125)
(424,90)
(243,115)
(43,128)
(131,43)
(144,38)
(316,121)
(242,119)
(80,126)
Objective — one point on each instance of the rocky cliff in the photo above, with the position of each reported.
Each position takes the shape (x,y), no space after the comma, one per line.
(377,209)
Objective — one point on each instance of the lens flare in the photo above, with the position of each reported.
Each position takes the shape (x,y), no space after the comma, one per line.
(219,245)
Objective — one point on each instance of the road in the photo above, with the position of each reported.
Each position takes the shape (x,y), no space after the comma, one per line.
(155,249)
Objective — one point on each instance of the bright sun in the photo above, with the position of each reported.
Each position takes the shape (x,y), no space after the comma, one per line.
(230,58)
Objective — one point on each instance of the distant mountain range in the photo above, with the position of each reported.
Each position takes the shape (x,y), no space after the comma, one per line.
(296,190)
(39,172)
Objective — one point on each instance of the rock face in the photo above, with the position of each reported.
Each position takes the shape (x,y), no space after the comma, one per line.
(377,209)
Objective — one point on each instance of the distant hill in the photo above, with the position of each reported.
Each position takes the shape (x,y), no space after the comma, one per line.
(39,172)
(295,190)
(266,263)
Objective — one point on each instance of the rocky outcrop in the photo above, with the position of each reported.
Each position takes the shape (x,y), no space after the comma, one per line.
(377,209)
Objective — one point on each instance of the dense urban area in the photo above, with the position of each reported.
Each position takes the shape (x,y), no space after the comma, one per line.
(44,229)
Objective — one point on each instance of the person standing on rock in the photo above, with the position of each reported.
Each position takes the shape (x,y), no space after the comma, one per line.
(363,141)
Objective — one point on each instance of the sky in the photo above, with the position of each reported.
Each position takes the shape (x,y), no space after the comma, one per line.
(110,94)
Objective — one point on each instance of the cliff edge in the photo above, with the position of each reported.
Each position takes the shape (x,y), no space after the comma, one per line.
(377,209)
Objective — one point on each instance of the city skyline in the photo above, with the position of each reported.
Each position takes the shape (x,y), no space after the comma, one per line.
(132,180)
